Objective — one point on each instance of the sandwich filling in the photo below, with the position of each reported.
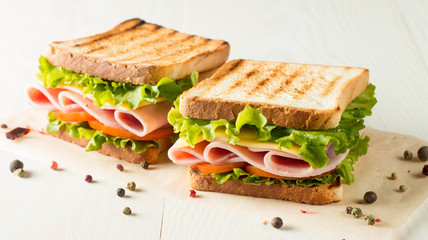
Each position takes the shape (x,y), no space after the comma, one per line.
(105,111)
(260,152)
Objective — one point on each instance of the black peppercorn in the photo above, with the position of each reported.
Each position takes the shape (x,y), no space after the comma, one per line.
(15,165)
(423,153)
(120,192)
(276,222)
(349,209)
(145,165)
(408,155)
(370,197)
(425,170)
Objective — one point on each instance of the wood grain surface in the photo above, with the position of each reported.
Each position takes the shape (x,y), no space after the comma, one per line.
(387,36)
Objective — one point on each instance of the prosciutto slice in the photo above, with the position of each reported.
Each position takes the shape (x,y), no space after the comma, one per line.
(273,161)
(140,121)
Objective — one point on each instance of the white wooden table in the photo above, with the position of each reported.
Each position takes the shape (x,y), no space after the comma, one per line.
(387,37)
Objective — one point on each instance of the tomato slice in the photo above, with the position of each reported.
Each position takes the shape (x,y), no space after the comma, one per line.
(208,168)
(157,134)
(257,171)
(76,117)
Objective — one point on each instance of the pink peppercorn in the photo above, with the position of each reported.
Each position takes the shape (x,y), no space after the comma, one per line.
(192,193)
(88,178)
(54,165)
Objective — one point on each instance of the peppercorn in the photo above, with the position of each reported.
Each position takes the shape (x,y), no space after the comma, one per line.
(394,176)
(349,209)
(131,186)
(119,167)
(145,165)
(127,211)
(370,197)
(408,155)
(16,164)
(357,213)
(425,170)
(88,178)
(192,193)
(423,153)
(276,222)
(370,220)
(19,172)
(403,188)
(120,192)
(3,125)
(54,165)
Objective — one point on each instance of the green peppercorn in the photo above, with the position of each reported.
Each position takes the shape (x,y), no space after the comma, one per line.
(403,188)
(408,155)
(131,186)
(127,211)
(423,153)
(16,164)
(276,222)
(19,172)
(349,209)
(394,176)
(120,192)
(370,220)
(370,197)
(357,213)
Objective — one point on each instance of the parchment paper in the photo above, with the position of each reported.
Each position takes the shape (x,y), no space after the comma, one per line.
(372,173)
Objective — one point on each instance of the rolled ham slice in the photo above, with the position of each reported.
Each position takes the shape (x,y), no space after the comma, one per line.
(273,161)
(140,121)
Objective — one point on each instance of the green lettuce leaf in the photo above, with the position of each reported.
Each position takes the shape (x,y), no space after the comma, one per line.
(313,143)
(116,93)
(248,178)
(96,138)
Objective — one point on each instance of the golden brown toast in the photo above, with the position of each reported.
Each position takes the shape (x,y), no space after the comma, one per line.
(290,95)
(139,52)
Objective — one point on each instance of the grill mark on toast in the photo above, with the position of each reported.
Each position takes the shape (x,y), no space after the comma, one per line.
(287,81)
(222,75)
(330,86)
(239,82)
(141,22)
(263,82)
(95,49)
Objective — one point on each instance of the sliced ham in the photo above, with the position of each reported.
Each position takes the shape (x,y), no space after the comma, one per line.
(140,121)
(273,161)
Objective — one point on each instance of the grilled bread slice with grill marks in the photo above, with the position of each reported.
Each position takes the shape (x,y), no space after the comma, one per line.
(289,95)
(138,52)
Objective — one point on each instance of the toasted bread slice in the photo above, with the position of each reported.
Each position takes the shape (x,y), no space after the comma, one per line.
(138,52)
(150,155)
(290,95)
(315,195)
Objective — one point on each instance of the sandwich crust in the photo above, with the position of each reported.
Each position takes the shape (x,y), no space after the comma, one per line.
(289,95)
(138,52)
(315,195)
(150,155)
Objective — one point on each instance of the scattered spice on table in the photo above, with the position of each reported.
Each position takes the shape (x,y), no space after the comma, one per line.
(356,212)
(130,186)
(16,133)
(423,153)
(120,192)
(145,165)
(378,220)
(349,209)
(408,155)
(54,165)
(88,178)
(276,222)
(119,167)
(3,125)
(370,197)
(370,220)
(394,175)
(16,164)
(303,211)
(425,170)
(403,188)
(265,222)
(192,193)
(127,211)
(19,172)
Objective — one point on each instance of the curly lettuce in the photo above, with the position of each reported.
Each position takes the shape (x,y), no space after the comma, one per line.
(248,178)
(313,143)
(96,138)
(116,93)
